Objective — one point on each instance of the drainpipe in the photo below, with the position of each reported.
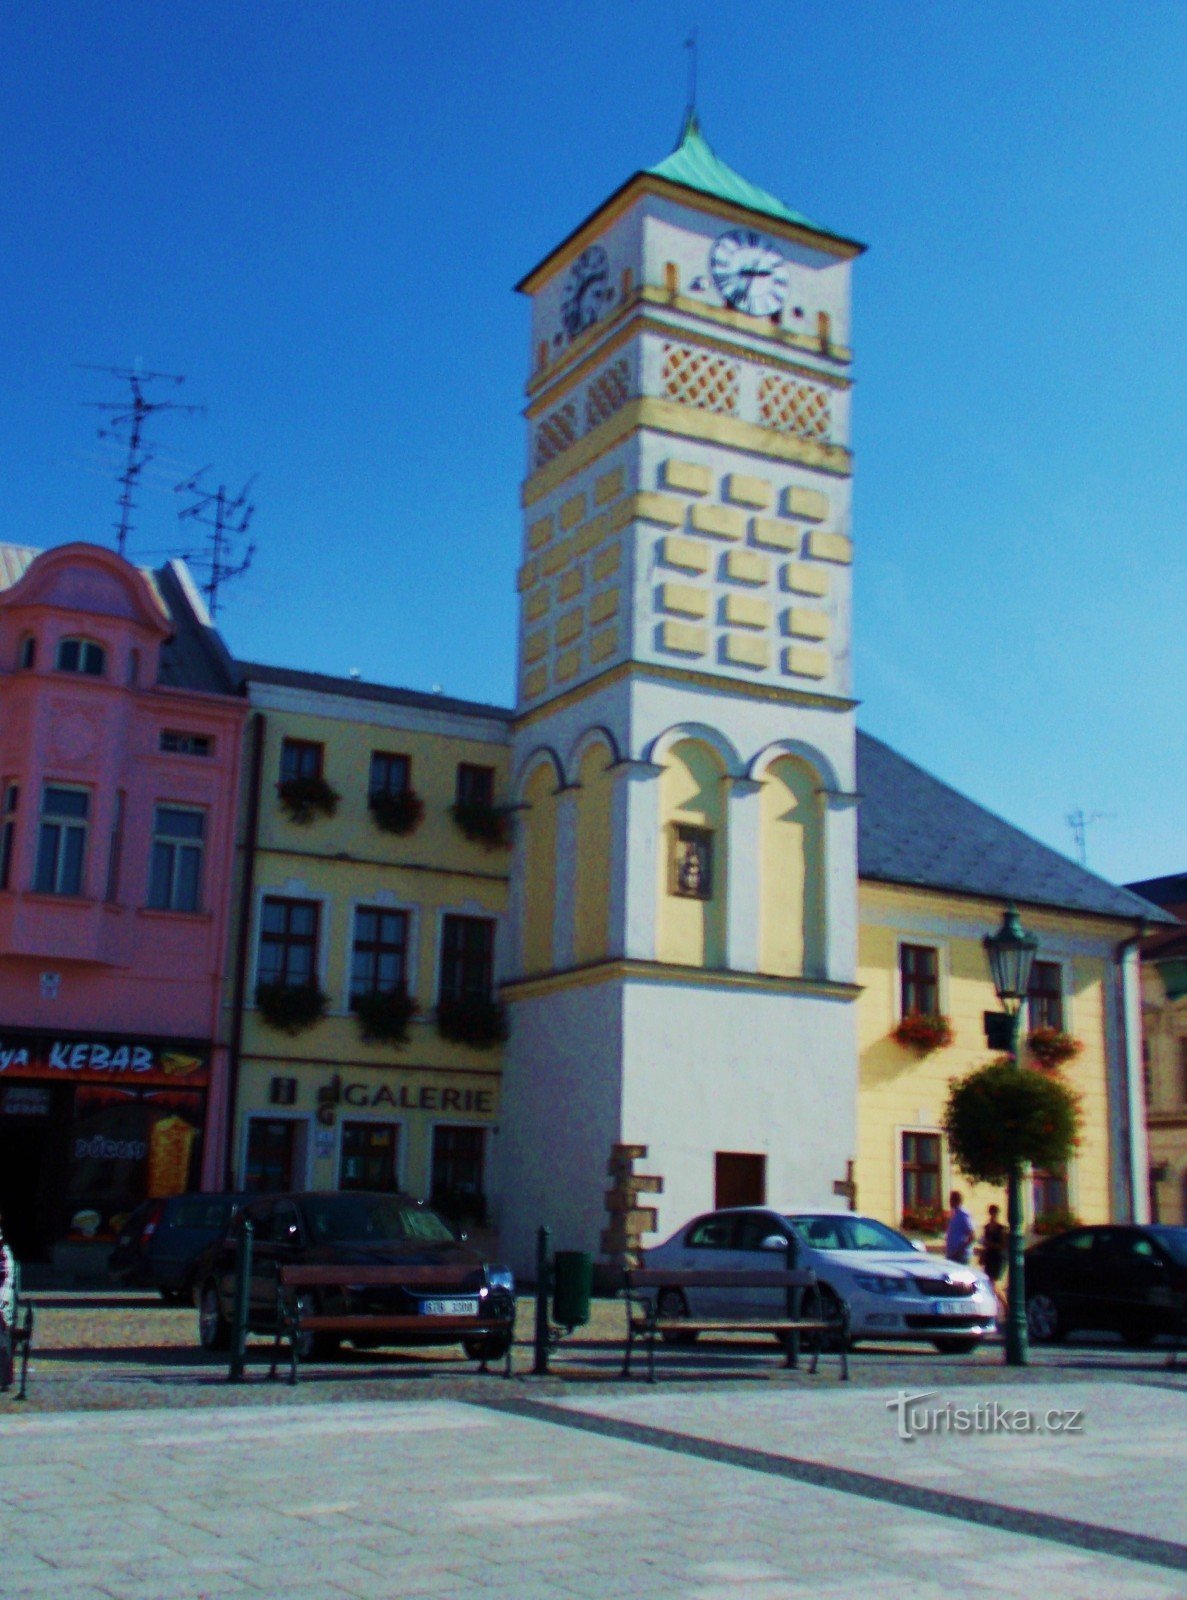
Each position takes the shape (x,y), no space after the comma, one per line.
(242,937)
(1131,1101)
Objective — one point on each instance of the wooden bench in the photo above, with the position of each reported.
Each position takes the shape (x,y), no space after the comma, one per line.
(20,1335)
(646,1288)
(494,1321)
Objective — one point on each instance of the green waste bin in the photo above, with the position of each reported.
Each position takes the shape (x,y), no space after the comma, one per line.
(572,1285)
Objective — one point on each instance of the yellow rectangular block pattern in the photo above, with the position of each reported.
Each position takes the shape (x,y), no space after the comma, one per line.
(687,476)
(803,579)
(744,651)
(684,600)
(811,504)
(684,637)
(528,574)
(606,561)
(537,604)
(663,508)
(572,583)
(572,511)
(747,611)
(723,522)
(808,624)
(604,605)
(594,531)
(570,625)
(690,554)
(535,682)
(535,645)
(603,644)
(743,490)
(540,532)
(775,535)
(556,557)
(804,662)
(747,566)
(609,486)
(830,547)
(568,665)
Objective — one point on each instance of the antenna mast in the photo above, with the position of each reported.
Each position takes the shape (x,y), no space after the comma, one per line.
(227,520)
(1079,823)
(131,416)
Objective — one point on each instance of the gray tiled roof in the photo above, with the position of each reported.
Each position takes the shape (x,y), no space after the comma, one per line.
(356,689)
(913,829)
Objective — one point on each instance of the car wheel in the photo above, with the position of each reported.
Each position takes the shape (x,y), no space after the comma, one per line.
(492,1347)
(673,1304)
(214,1331)
(1044,1321)
(955,1346)
(315,1346)
(830,1310)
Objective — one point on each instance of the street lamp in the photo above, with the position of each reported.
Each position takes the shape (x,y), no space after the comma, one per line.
(1011,953)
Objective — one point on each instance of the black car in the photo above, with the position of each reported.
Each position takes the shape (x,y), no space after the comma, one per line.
(161,1241)
(329,1229)
(1123,1277)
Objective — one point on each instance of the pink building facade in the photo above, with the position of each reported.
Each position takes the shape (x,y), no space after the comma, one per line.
(120,738)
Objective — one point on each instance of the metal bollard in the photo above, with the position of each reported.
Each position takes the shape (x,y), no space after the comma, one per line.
(543,1241)
(242,1298)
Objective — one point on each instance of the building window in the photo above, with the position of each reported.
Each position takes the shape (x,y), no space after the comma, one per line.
(467,958)
(390,774)
(81,655)
(1044,999)
(299,758)
(27,653)
(1049,1193)
(378,963)
(176,743)
(739,1179)
(919,985)
(369,1151)
(12,795)
(175,878)
(288,942)
(275,1155)
(458,1187)
(61,843)
(692,862)
(475,785)
(115,850)
(921,1172)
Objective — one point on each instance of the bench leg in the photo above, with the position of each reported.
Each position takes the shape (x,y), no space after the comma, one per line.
(651,1356)
(26,1343)
(275,1353)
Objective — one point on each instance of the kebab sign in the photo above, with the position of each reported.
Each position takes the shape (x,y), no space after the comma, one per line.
(104,1058)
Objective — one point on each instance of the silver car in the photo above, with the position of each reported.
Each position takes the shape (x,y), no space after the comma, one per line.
(894,1290)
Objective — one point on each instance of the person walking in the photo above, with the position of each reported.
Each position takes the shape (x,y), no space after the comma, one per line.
(7,1306)
(993,1255)
(961,1232)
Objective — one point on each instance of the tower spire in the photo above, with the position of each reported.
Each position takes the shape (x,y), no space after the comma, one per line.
(691,123)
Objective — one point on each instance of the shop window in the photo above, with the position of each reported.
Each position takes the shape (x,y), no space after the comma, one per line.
(12,795)
(378,962)
(1049,1193)
(692,862)
(369,1156)
(1044,999)
(175,877)
(175,742)
(919,982)
(390,774)
(920,1168)
(300,758)
(467,958)
(81,655)
(115,850)
(288,942)
(458,1191)
(27,653)
(739,1179)
(274,1155)
(62,840)
(475,785)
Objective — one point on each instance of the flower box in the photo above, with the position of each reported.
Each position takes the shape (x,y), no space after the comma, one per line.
(384,1017)
(927,1221)
(291,1007)
(1051,1048)
(305,798)
(485,824)
(398,812)
(924,1033)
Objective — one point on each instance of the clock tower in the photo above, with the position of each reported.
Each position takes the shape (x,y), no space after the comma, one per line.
(685,879)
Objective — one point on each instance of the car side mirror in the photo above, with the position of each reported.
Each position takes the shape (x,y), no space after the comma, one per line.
(775,1241)
(918,1244)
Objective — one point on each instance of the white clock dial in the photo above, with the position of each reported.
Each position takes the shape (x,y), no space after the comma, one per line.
(585,291)
(749,272)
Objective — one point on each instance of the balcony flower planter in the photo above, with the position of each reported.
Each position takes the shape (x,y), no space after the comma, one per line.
(926,1221)
(396,813)
(291,1007)
(923,1034)
(384,1017)
(487,825)
(306,798)
(1051,1048)
(1055,1222)
(469,1020)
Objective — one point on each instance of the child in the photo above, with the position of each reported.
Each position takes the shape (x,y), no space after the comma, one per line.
(993,1254)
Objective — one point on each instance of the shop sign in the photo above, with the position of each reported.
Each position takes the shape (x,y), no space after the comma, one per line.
(406,1097)
(18,1100)
(103,1058)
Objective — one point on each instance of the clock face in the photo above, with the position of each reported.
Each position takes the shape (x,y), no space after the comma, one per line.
(749,272)
(586,290)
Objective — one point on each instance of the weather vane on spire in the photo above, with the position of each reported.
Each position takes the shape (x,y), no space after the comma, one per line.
(690,44)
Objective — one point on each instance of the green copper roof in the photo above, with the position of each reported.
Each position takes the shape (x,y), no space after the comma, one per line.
(693,164)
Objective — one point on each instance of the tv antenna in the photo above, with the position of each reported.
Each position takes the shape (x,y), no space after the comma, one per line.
(227,521)
(1079,822)
(126,426)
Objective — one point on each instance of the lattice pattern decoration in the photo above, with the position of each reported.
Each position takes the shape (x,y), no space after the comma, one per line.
(791,407)
(556,432)
(608,393)
(700,378)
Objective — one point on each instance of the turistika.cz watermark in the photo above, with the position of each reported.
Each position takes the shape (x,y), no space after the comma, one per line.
(916,1418)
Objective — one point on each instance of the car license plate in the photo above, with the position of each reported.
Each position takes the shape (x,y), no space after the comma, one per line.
(949,1308)
(449,1308)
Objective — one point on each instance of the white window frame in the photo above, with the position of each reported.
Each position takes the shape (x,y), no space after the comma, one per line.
(178,843)
(54,819)
(292,890)
(85,643)
(383,900)
(1065,1003)
(348,1113)
(921,1125)
(931,942)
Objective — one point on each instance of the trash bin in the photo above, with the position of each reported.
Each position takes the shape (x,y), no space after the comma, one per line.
(572,1283)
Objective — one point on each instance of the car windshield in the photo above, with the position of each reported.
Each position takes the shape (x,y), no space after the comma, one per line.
(354,1217)
(843,1232)
(1173,1241)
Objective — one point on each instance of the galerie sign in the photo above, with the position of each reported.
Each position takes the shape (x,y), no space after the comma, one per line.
(103,1058)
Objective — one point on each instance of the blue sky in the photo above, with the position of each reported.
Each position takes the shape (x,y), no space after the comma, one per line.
(317,211)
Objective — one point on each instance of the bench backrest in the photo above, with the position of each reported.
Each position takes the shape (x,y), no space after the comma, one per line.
(706,1278)
(344,1275)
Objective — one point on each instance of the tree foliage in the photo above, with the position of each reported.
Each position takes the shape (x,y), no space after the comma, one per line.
(1001,1116)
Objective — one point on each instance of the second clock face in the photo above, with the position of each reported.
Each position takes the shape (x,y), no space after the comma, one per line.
(749,272)
(585,290)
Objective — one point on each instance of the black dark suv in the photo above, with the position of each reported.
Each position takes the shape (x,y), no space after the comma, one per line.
(1132,1279)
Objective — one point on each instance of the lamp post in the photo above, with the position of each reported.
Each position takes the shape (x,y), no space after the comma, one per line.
(1011,952)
